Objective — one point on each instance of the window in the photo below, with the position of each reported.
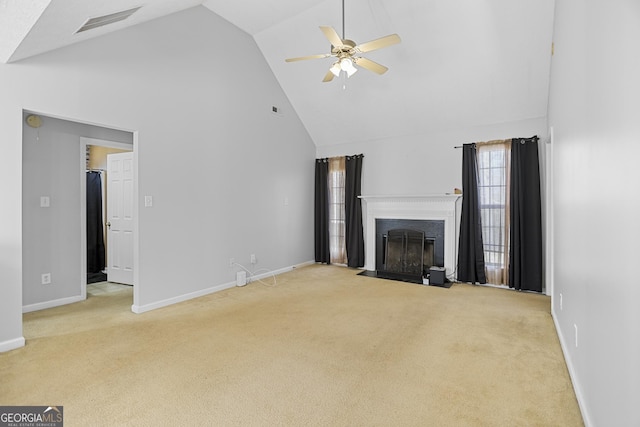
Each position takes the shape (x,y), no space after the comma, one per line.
(337,248)
(493,188)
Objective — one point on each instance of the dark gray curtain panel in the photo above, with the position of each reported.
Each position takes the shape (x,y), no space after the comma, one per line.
(471,267)
(321,212)
(354,239)
(525,270)
(95,234)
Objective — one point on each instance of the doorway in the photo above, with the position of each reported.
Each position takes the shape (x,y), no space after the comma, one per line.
(98,194)
(54,261)
(98,231)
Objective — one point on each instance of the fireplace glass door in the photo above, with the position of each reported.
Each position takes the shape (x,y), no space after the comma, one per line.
(405,252)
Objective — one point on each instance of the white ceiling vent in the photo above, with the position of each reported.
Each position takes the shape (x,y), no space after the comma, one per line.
(101,21)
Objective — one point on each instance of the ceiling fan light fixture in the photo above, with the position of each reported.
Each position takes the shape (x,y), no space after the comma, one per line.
(351,71)
(347,65)
(335,68)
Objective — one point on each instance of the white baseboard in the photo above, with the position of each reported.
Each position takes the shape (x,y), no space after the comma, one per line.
(51,304)
(303,264)
(282,270)
(139,309)
(11,344)
(577,388)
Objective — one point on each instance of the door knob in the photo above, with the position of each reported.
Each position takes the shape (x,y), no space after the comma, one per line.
(109,224)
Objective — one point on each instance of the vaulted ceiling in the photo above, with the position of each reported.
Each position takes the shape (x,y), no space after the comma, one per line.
(461,63)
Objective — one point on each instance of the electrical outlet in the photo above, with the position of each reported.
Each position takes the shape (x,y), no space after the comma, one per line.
(46,278)
(560,301)
(253,258)
(232,261)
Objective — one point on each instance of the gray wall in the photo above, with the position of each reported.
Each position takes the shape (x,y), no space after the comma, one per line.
(218,163)
(594,113)
(425,163)
(52,165)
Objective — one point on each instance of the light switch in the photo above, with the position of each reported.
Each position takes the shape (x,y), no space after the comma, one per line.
(44,202)
(148,201)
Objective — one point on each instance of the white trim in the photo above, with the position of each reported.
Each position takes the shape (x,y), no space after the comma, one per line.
(136,222)
(73,119)
(83,217)
(53,303)
(185,297)
(438,207)
(270,274)
(549,238)
(11,344)
(577,388)
(180,298)
(106,143)
(303,264)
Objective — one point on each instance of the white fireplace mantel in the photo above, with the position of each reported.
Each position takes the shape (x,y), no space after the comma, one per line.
(421,207)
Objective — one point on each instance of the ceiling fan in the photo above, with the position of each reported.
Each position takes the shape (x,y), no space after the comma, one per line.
(347,52)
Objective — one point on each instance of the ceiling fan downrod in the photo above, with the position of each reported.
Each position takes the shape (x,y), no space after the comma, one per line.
(343,33)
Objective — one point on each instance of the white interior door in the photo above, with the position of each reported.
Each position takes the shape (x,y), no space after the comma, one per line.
(120,217)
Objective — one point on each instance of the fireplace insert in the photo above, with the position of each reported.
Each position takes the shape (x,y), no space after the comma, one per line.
(406,255)
(407,249)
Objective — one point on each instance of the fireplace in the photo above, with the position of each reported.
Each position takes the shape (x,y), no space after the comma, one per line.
(406,249)
(439,210)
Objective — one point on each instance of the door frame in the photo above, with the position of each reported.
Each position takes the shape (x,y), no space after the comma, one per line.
(549,214)
(84,142)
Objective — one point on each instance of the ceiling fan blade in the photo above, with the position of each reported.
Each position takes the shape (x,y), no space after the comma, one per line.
(378,43)
(328,77)
(370,65)
(302,58)
(332,36)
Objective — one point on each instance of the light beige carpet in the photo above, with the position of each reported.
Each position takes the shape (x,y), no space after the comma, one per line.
(325,347)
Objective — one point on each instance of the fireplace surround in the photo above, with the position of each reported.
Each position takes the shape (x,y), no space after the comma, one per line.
(435,207)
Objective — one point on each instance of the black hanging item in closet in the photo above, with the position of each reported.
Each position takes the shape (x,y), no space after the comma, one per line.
(95,233)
